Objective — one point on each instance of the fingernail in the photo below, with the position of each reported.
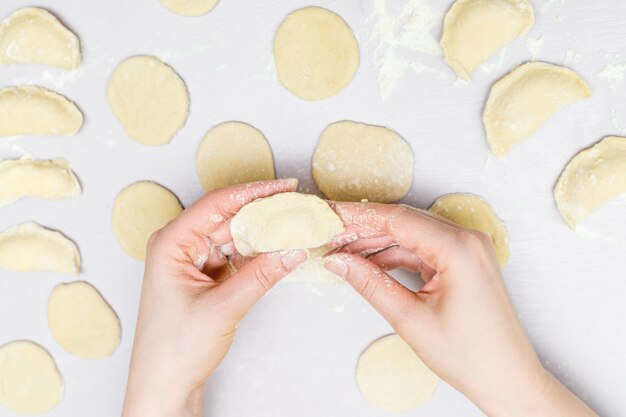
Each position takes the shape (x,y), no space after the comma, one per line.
(293,258)
(293,182)
(336,266)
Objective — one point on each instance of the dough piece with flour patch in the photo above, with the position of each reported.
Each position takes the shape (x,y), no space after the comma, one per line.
(355,161)
(139,210)
(392,377)
(233,153)
(474,30)
(34,36)
(190,7)
(315,52)
(591,179)
(30,382)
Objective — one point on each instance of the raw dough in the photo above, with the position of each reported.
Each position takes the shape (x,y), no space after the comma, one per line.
(233,153)
(354,161)
(391,376)
(33,110)
(190,7)
(34,36)
(315,52)
(139,210)
(28,247)
(591,179)
(473,212)
(27,177)
(149,99)
(522,101)
(30,382)
(82,322)
(282,222)
(475,29)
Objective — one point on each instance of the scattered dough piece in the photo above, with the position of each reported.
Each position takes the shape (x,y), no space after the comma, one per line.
(233,153)
(190,7)
(34,36)
(30,382)
(149,99)
(28,247)
(591,179)
(82,322)
(475,29)
(27,177)
(139,210)
(33,110)
(523,100)
(474,212)
(315,52)
(283,222)
(391,376)
(354,161)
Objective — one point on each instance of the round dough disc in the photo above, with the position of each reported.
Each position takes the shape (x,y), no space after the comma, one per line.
(233,153)
(190,7)
(391,376)
(82,322)
(30,381)
(316,53)
(149,99)
(139,210)
(355,161)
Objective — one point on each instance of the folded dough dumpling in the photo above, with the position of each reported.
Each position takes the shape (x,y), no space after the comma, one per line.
(476,29)
(591,179)
(523,100)
(34,36)
(37,111)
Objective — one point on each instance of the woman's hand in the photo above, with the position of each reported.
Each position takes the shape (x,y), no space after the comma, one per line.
(462,323)
(189,310)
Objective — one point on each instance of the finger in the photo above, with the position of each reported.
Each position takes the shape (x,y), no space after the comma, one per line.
(397,257)
(368,246)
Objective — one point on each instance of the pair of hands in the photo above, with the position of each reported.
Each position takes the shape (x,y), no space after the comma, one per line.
(461,323)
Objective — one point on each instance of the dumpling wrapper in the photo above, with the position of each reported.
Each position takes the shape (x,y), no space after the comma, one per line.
(190,7)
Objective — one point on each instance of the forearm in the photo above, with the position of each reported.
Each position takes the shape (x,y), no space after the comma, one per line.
(141,401)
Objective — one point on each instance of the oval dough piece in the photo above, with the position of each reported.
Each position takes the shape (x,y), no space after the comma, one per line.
(474,212)
(523,100)
(28,247)
(30,382)
(284,221)
(27,177)
(139,210)
(591,179)
(33,110)
(233,153)
(355,161)
(316,53)
(34,36)
(190,7)
(392,377)
(474,30)
(149,99)
(82,322)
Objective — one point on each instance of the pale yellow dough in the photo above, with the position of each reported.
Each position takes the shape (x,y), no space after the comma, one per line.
(27,177)
(523,100)
(33,110)
(355,161)
(190,7)
(315,52)
(474,30)
(474,212)
(149,99)
(34,36)
(82,322)
(233,153)
(591,179)
(139,210)
(28,247)
(392,377)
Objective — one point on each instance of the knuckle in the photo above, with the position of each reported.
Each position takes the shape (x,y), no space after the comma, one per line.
(264,278)
(368,288)
(471,241)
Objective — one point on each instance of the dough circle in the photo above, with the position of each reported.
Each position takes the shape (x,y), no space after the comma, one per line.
(30,382)
(233,153)
(149,99)
(190,7)
(355,161)
(82,322)
(139,210)
(315,52)
(392,377)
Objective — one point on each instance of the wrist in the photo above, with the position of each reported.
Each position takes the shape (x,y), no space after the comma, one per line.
(146,399)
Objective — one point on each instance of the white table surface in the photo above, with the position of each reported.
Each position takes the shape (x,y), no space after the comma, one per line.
(295,353)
